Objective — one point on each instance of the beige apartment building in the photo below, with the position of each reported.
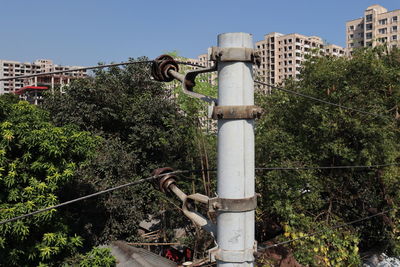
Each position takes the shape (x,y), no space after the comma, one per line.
(378,26)
(10,68)
(283,54)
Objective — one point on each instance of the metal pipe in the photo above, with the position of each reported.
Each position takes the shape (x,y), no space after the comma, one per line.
(177,75)
(235,230)
(179,193)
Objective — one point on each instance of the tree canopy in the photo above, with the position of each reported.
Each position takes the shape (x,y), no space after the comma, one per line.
(37,159)
(119,125)
(142,128)
(299,132)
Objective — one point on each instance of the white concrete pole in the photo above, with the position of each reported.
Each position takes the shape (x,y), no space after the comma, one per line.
(235,156)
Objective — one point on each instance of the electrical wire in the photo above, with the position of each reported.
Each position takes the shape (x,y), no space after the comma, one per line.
(90,68)
(76,69)
(327,167)
(190,64)
(179,172)
(151,178)
(320,100)
(323,231)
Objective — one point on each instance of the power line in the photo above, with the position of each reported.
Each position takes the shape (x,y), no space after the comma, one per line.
(328,167)
(320,100)
(92,195)
(323,231)
(179,172)
(190,64)
(90,68)
(76,69)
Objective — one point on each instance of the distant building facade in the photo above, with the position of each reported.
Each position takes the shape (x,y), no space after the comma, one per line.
(283,54)
(10,68)
(378,26)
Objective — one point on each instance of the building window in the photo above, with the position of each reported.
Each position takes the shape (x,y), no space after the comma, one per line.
(368,35)
(368,26)
(351,27)
(394,19)
(394,37)
(351,36)
(360,34)
(368,18)
(382,40)
(382,21)
(382,31)
(394,29)
(351,44)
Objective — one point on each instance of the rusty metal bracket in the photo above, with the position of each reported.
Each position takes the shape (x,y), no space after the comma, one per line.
(236,112)
(167,184)
(230,54)
(232,205)
(189,82)
(165,69)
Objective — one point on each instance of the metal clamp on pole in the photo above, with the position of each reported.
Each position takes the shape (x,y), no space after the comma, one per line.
(236,112)
(165,69)
(234,54)
(232,205)
(239,256)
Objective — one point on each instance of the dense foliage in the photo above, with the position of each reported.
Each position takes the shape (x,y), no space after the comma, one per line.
(300,132)
(119,125)
(37,160)
(142,129)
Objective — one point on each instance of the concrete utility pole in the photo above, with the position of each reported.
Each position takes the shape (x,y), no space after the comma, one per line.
(235,111)
(235,234)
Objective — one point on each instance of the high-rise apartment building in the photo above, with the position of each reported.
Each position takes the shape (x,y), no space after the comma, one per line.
(283,54)
(10,68)
(378,26)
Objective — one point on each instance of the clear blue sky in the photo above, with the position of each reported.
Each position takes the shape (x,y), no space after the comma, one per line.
(84,32)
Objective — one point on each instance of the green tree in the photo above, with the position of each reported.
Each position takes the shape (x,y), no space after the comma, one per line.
(142,129)
(299,132)
(37,159)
